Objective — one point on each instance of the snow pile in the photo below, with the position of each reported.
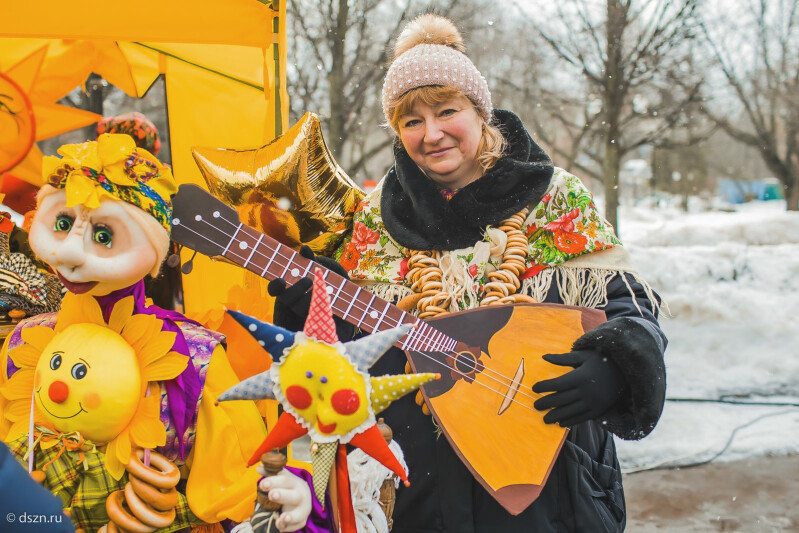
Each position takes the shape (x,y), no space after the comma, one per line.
(731,280)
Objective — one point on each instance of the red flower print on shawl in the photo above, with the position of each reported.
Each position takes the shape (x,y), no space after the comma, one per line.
(564,223)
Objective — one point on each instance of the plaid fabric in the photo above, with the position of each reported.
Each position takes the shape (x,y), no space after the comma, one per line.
(319,325)
(79,478)
(23,285)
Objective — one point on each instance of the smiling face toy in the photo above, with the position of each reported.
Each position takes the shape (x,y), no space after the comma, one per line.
(90,376)
(325,389)
(88,380)
(104,214)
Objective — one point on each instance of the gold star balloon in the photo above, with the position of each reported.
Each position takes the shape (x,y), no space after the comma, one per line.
(291,189)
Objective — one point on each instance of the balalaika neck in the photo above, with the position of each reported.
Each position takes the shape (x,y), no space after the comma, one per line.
(270,259)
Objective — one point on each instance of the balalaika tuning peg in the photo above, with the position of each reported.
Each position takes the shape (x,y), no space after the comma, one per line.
(188,265)
(174,259)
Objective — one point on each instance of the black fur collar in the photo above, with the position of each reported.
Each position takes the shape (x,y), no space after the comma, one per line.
(418,217)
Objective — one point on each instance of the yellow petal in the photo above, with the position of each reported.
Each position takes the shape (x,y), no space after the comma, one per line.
(168,367)
(113,462)
(17,430)
(146,428)
(20,385)
(158,346)
(121,313)
(18,410)
(114,147)
(91,310)
(78,309)
(37,336)
(25,355)
(147,433)
(140,328)
(123,446)
(70,312)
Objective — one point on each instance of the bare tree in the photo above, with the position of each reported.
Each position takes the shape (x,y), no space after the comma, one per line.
(762,70)
(630,53)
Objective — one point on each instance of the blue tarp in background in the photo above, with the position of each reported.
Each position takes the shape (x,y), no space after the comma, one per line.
(738,192)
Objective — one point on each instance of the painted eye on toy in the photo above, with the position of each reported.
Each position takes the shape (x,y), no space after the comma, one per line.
(299,397)
(345,401)
(102,235)
(55,361)
(79,371)
(63,223)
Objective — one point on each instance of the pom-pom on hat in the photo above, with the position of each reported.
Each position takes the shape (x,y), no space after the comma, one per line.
(430,51)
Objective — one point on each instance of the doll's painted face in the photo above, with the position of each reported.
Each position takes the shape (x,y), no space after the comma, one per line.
(88,380)
(93,251)
(324,388)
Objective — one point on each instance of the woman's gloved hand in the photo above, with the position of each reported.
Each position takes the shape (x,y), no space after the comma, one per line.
(585,393)
(293,494)
(292,303)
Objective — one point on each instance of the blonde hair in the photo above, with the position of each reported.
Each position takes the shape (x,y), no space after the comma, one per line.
(492,144)
(152,229)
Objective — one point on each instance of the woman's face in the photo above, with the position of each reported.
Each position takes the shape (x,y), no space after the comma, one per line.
(93,251)
(443,139)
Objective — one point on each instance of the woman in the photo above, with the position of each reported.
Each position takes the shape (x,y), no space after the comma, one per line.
(102,224)
(462,171)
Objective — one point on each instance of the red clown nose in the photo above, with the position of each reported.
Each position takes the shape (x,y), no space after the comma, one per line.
(58,391)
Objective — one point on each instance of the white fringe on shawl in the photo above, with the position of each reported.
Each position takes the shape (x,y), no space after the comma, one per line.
(386,291)
(583,281)
(366,478)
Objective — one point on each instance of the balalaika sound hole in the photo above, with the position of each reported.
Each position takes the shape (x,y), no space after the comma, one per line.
(466,363)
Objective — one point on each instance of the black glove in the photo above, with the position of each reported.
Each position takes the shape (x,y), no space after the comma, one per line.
(292,303)
(585,393)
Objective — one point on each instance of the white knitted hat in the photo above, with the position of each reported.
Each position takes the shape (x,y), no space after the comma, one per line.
(432,62)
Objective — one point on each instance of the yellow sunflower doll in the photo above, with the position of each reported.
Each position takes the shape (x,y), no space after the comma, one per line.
(88,392)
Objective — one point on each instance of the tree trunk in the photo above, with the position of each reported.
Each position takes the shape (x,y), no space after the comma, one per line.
(613,101)
(611,164)
(792,194)
(336,79)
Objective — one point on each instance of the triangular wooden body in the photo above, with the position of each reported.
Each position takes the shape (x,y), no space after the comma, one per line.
(481,408)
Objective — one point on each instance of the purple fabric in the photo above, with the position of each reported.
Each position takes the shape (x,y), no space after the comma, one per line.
(320,519)
(183,391)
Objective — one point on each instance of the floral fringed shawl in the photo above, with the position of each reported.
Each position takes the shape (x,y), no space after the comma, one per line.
(570,244)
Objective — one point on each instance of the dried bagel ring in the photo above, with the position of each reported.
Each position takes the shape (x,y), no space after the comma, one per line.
(158,499)
(161,473)
(122,518)
(145,513)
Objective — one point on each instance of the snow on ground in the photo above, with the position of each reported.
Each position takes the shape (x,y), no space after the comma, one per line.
(731,279)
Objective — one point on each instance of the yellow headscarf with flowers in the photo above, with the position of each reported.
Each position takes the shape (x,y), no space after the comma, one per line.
(112,166)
